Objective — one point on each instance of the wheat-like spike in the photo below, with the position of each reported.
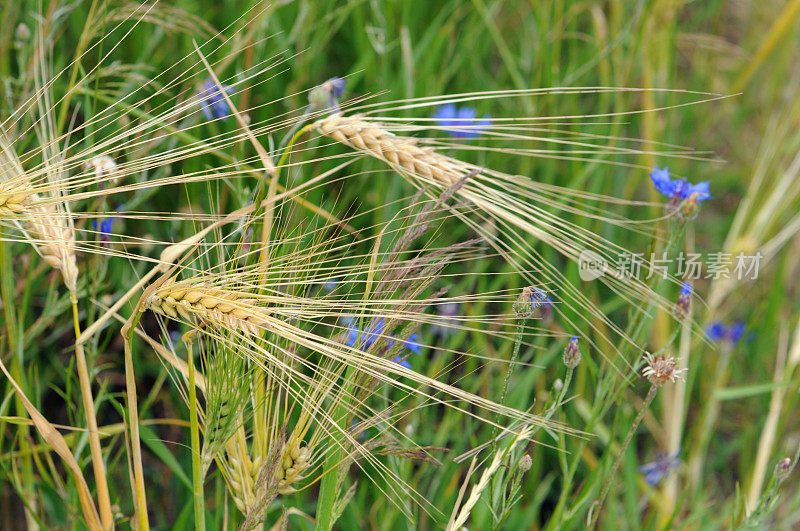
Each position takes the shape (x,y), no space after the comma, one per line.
(241,474)
(51,233)
(212,305)
(400,152)
(14,200)
(296,459)
(54,238)
(246,477)
(45,222)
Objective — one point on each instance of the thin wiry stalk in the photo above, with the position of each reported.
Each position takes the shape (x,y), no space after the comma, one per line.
(594,512)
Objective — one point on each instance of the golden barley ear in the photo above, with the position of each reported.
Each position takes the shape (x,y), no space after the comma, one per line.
(402,153)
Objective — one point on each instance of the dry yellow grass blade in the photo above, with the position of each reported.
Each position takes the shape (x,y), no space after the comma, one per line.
(458,519)
(59,445)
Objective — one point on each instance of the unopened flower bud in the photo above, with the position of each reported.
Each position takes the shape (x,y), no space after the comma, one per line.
(525,463)
(572,353)
(690,207)
(23,32)
(684,301)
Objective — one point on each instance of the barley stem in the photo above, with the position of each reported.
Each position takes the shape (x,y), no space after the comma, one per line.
(103,499)
(143,523)
(197,474)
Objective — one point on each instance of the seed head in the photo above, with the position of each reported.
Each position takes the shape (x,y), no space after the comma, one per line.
(661,369)
(572,353)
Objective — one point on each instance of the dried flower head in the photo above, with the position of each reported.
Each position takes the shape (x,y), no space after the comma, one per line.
(661,369)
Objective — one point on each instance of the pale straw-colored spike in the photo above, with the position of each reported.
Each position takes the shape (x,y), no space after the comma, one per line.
(14,201)
(403,153)
(212,305)
(54,239)
(45,222)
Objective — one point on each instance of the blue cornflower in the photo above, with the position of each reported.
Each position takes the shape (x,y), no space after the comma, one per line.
(213,102)
(686,288)
(732,334)
(365,339)
(411,344)
(530,300)
(736,331)
(678,189)
(716,331)
(104,229)
(660,468)
(461,123)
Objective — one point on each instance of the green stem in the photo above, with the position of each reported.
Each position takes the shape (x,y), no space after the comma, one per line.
(514,356)
(143,522)
(197,474)
(598,504)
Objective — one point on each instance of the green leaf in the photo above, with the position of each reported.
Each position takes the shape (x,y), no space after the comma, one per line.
(732,393)
(162,452)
